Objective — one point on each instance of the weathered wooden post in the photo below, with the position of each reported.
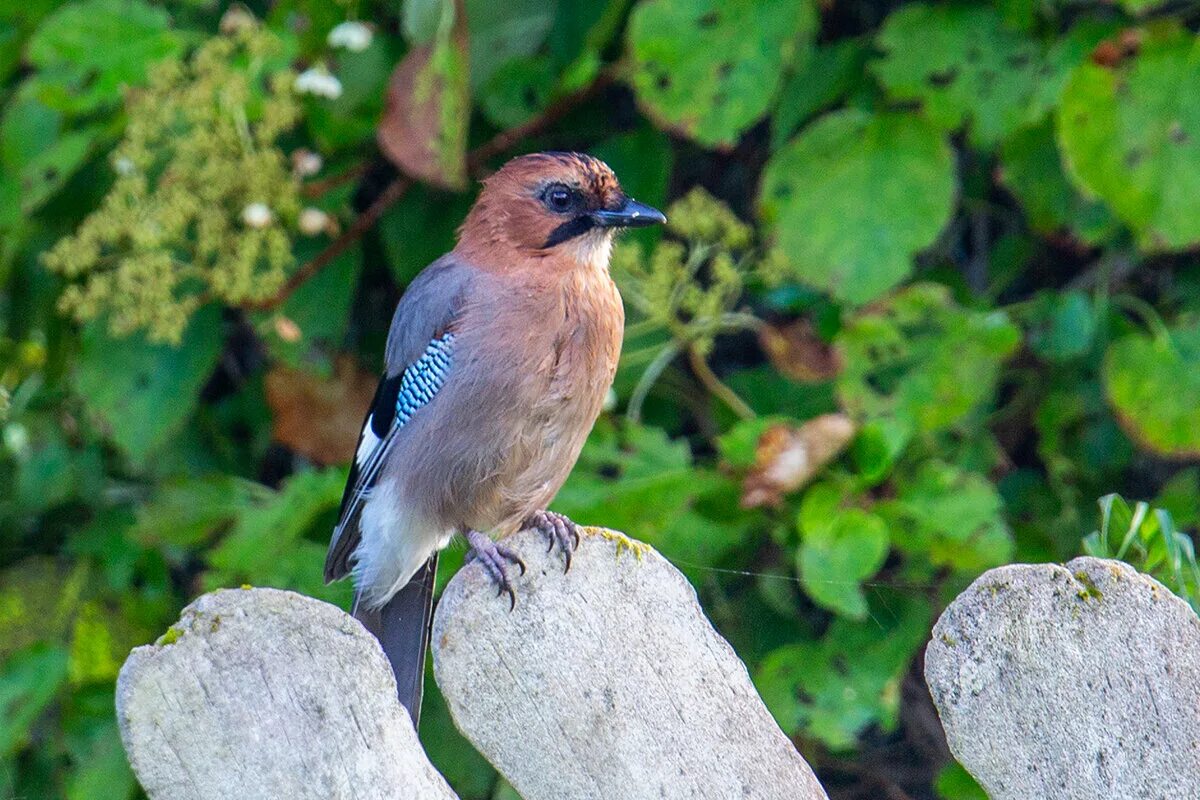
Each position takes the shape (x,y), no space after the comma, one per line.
(260,693)
(1071,683)
(604,682)
(607,681)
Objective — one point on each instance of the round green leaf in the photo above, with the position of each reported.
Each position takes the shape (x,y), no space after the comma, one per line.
(950,516)
(1131,135)
(1153,385)
(840,547)
(105,44)
(710,69)
(921,360)
(144,393)
(1031,169)
(855,196)
(961,63)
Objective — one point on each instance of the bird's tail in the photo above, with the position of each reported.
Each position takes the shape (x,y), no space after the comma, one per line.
(402,627)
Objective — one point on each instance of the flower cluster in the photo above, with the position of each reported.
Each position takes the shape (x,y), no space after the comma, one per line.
(204,199)
(690,285)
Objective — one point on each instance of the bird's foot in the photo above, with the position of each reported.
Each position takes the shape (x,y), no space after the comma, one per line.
(558,529)
(495,559)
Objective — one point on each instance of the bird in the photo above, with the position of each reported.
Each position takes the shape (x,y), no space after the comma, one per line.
(497,364)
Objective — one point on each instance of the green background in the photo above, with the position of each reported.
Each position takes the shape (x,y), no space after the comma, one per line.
(968,230)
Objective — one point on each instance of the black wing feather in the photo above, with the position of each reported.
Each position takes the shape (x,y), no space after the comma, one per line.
(380,417)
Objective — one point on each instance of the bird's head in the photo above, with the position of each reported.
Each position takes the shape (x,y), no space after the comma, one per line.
(559,206)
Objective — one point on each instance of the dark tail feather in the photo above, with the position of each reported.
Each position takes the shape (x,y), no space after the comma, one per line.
(402,626)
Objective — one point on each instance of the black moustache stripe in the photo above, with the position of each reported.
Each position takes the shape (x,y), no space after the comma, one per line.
(569,230)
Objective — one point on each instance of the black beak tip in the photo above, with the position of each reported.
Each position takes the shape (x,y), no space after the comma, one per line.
(631,214)
(647,216)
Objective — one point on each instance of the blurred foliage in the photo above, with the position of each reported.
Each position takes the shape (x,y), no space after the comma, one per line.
(929,289)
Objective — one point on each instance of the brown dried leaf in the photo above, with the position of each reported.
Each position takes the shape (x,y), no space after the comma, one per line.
(788,457)
(320,418)
(796,351)
(423,130)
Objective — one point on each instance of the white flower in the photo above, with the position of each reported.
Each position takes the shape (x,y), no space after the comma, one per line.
(318,81)
(353,36)
(16,439)
(306,163)
(313,221)
(124,165)
(236,19)
(257,215)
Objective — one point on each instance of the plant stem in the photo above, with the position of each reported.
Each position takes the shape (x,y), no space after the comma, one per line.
(716,387)
(644,384)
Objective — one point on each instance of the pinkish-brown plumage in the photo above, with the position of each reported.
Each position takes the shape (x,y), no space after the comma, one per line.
(500,355)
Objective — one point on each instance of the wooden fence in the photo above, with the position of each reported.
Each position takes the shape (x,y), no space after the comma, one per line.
(609,682)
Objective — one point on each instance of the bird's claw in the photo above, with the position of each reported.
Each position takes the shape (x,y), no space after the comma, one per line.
(558,529)
(495,559)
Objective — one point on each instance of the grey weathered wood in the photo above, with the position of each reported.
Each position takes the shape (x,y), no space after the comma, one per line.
(606,682)
(1071,683)
(269,694)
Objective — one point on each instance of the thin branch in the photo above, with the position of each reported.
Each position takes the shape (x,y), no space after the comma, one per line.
(318,188)
(649,376)
(716,388)
(476,160)
(362,223)
(504,141)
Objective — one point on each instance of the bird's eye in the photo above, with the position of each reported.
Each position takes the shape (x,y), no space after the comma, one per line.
(559,198)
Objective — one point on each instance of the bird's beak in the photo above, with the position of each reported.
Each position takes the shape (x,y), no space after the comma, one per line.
(631,214)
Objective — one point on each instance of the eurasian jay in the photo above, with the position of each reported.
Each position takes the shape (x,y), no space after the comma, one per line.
(498,360)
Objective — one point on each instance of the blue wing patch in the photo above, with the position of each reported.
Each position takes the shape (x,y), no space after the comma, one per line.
(397,399)
(424,377)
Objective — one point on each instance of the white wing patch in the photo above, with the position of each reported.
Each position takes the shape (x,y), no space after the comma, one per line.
(366,443)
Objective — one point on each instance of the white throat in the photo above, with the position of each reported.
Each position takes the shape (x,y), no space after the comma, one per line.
(593,249)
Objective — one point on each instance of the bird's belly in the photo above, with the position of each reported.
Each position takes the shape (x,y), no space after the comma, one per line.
(546,440)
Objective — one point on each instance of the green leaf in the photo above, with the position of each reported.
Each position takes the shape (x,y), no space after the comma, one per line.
(36,155)
(104,45)
(955,783)
(267,545)
(424,125)
(518,91)
(1131,135)
(835,687)
(711,69)
(964,65)
(1140,7)
(631,478)
(144,393)
(502,32)
(855,197)
(828,75)
(29,680)
(921,360)
(320,308)
(1064,325)
(419,229)
(420,19)
(879,443)
(38,597)
(187,512)
(348,122)
(839,549)
(1030,168)
(1153,385)
(101,768)
(952,517)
